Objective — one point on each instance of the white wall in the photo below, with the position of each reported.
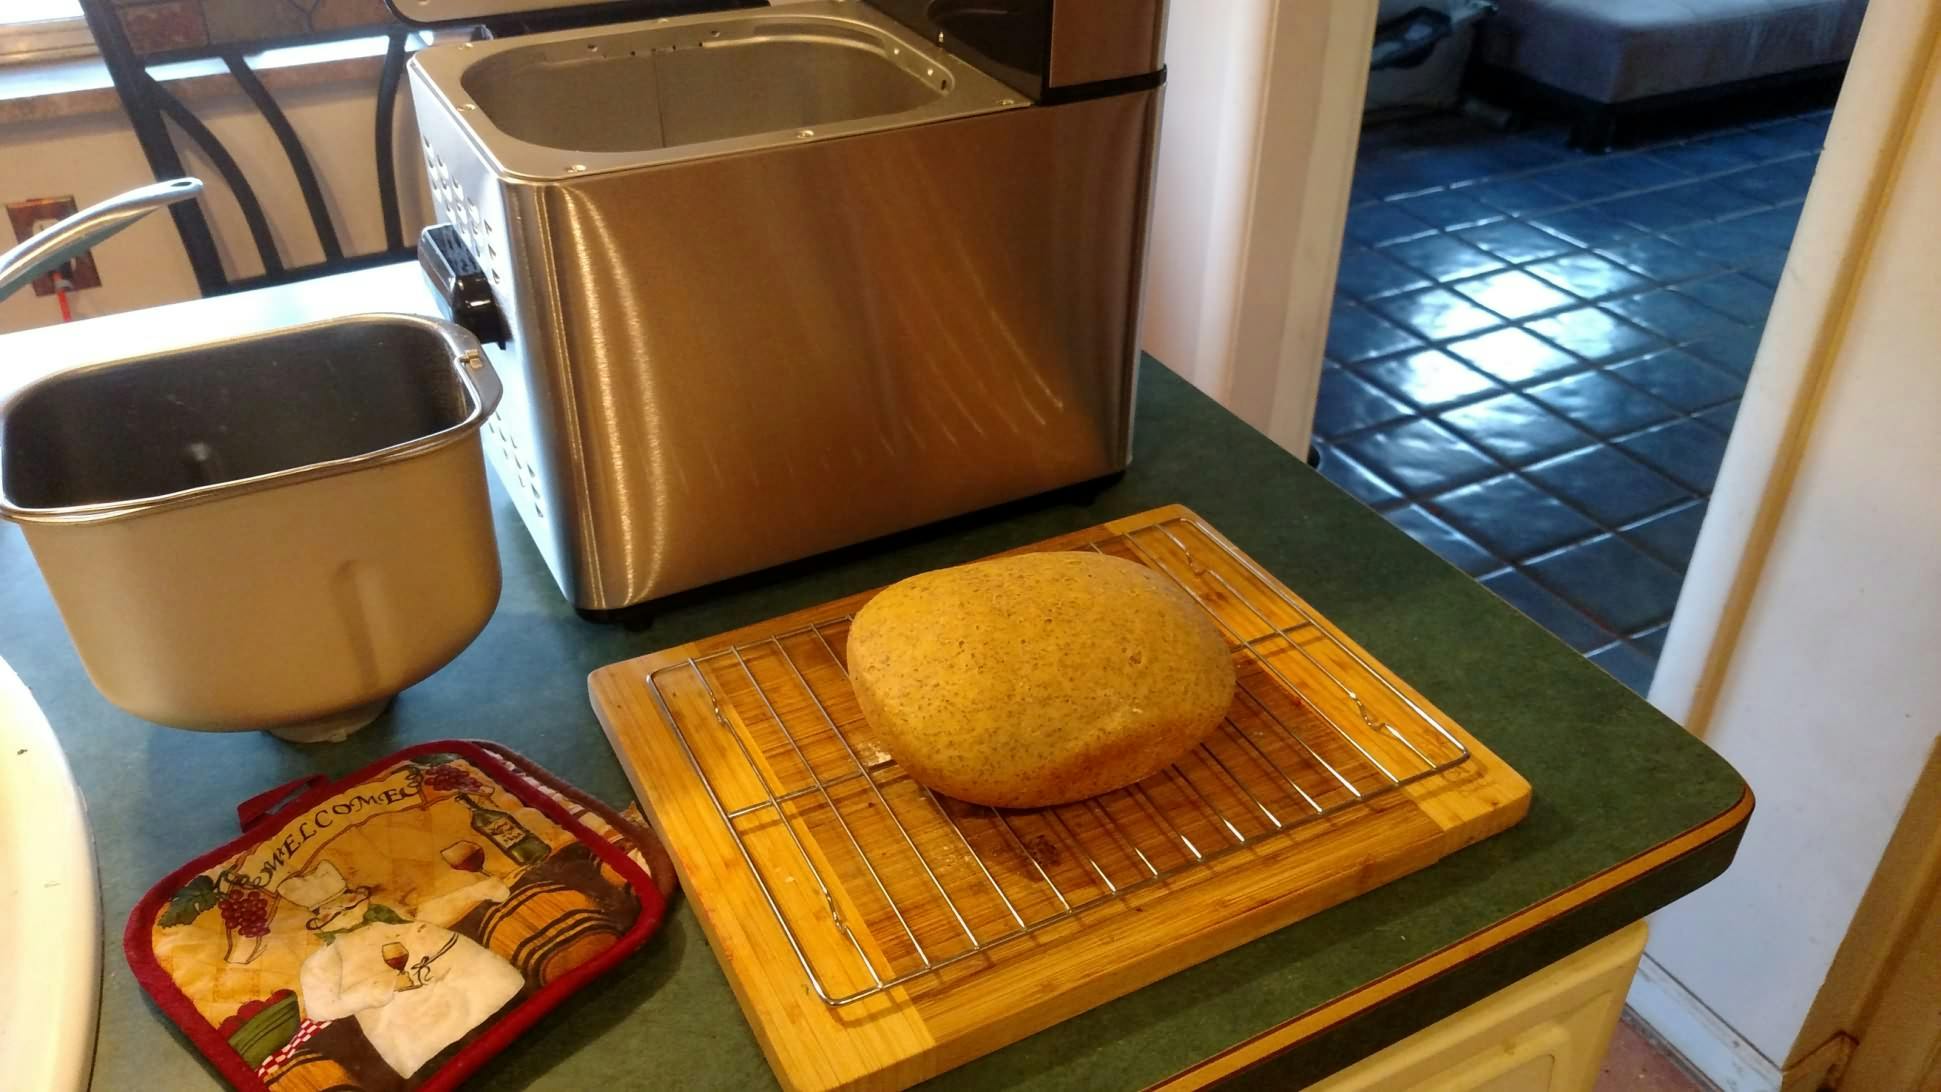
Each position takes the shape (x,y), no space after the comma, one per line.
(95,156)
(1216,56)
(92,157)
(1257,150)
(1804,645)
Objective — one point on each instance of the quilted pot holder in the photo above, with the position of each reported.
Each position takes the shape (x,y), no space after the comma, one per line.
(394,929)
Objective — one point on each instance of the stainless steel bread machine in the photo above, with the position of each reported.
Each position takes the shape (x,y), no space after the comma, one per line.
(765,281)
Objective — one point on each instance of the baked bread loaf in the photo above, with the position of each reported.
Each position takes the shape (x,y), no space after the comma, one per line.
(1038,679)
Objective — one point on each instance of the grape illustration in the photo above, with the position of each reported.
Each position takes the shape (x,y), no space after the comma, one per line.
(246,911)
(451,779)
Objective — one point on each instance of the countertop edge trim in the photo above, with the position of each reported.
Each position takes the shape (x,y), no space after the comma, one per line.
(1291,1032)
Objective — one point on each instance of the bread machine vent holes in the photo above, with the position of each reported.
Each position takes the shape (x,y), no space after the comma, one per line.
(452,205)
(521,478)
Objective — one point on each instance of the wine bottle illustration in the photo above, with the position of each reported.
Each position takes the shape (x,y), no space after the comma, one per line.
(511,836)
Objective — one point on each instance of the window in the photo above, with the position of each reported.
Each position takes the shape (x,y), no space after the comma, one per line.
(40,11)
(42,30)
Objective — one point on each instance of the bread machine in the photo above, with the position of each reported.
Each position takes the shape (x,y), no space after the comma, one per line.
(764,281)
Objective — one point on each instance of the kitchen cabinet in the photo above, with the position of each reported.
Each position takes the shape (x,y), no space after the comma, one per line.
(1546,1033)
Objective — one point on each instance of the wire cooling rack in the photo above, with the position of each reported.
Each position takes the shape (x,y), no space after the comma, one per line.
(877,882)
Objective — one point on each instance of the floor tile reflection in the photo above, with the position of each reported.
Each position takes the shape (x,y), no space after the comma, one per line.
(1538,354)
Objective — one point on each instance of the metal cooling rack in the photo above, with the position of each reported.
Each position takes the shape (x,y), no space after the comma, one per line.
(931,893)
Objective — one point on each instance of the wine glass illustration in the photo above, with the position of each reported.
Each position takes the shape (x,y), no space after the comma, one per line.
(465,856)
(395,957)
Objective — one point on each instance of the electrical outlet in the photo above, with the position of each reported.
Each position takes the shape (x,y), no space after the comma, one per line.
(37,214)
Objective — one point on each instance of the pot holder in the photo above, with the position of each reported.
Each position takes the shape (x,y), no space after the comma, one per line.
(394,929)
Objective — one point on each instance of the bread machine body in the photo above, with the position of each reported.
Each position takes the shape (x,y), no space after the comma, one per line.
(782,279)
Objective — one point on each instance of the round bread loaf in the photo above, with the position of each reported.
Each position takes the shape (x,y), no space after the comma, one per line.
(1039,679)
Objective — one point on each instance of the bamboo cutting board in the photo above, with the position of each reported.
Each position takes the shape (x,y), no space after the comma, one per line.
(876,934)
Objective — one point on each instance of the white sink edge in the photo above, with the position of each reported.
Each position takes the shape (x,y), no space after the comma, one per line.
(50,905)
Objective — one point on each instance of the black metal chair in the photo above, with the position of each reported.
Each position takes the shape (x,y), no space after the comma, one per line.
(136,35)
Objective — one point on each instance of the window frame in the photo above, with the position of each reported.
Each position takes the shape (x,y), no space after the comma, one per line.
(46,40)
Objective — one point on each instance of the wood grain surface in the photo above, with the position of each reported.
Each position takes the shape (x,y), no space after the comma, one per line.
(1329,778)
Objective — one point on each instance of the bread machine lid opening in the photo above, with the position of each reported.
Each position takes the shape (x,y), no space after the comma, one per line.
(519,16)
(1008,39)
(672,86)
(1045,50)
(588,100)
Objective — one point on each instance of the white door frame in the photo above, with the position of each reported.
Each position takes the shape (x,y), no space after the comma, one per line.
(1257,153)
(1848,310)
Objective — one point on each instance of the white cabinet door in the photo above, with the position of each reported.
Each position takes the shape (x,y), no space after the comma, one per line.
(1547,1033)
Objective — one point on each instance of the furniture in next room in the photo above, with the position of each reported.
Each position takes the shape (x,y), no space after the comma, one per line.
(1605,61)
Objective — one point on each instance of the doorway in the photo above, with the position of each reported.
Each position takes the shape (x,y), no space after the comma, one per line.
(1536,353)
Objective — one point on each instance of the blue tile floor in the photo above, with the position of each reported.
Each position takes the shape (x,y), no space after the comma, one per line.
(1536,354)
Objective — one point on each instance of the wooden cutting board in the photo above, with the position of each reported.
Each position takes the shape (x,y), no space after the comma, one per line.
(876,934)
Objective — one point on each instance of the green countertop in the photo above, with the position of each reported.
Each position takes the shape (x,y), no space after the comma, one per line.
(1613,779)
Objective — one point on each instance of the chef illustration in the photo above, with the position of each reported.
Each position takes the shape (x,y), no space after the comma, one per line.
(414,988)
(323,892)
